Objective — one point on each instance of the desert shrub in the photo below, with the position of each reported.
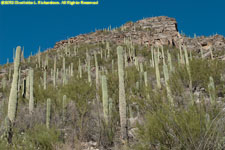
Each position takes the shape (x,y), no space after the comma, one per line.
(38,137)
(82,94)
(190,128)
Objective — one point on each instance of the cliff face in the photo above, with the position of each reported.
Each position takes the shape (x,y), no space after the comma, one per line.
(150,31)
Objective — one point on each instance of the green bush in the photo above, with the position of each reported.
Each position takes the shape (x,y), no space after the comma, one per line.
(191,128)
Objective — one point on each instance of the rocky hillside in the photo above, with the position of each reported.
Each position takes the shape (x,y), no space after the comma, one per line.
(143,86)
(151,31)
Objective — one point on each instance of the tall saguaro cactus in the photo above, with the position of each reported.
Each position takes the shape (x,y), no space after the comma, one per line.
(157,71)
(212,91)
(122,98)
(13,97)
(31,101)
(45,80)
(96,70)
(105,99)
(48,113)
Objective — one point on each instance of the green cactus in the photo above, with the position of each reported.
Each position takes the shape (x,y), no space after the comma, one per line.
(27,94)
(212,57)
(64,107)
(31,100)
(166,78)
(89,68)
(48,113)
(153,60)
(80,69)
(13,97)
(212,90)
(45,80)
(54,72)
(39,57)
(96,70)
(188,68)
(145,78)
(112,65)
(4,83)
(201,52)
(157,71)
(170,62)
(71,69)
(105,99)
(122,98)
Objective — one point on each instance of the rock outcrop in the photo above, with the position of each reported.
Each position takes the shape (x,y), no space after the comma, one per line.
(150,31)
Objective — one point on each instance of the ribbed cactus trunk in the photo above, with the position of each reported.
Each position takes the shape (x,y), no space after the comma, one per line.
(48,113)
(153,60)
(27,86)
(39,57)
(170,62)
(54,72)
(80,69)
(105,99)
(166,78)
(45,80)
(188,68)
(13,97)
(71,70)
(64,107)
(31,100)
(96,71)
(3,83)
(157,71)
(212,90)
(89,68)
(64,71)
(122,97)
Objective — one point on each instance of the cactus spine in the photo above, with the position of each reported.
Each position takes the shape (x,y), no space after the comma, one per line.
(13,97)
(31,100)
(105,99)
(48,113)
(122,98)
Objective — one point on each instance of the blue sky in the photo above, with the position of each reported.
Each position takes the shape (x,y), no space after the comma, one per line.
(34,26)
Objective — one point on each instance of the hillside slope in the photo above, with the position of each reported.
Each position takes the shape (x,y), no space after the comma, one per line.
(141,86)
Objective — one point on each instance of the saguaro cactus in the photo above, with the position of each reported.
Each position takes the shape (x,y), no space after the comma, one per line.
(105,99)
(13,97)
(80,69)
(45,80)
(39,57)
(96,70)
(89,68)
(122,98)
(64,106)
(166,77)
(212,91)
(31,101)
(3,83)
(54,72)
(157,71)
(48,113)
